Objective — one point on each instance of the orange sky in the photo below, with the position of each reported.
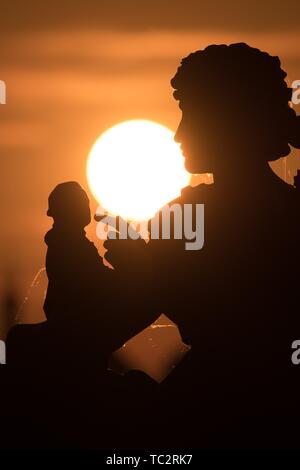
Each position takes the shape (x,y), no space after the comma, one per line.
(73,70)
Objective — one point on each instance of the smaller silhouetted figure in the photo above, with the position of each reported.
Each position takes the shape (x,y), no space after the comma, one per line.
(78,286)
(77,300)
(62,362)
(84,307)
(84,298)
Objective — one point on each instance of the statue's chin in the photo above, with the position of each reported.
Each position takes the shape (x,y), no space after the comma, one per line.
(194,166)
(196,169)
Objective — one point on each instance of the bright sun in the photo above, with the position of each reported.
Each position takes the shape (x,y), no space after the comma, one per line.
(135,168)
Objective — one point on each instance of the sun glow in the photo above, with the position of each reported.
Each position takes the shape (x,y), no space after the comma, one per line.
(135,168)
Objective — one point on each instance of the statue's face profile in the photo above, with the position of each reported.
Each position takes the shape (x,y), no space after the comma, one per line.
(197,135)
(215,136)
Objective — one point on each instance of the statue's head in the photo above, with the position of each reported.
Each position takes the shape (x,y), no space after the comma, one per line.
(236,108)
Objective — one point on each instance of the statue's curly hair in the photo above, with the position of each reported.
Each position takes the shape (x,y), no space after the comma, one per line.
(239,75)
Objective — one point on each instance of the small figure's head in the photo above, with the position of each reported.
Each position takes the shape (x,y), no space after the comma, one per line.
(69,205)
(235,108)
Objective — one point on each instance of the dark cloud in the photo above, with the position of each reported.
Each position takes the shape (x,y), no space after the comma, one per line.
(155,14)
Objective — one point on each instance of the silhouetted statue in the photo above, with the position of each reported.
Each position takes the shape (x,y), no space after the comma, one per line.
(63,361)
(78,295)
(234,300)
